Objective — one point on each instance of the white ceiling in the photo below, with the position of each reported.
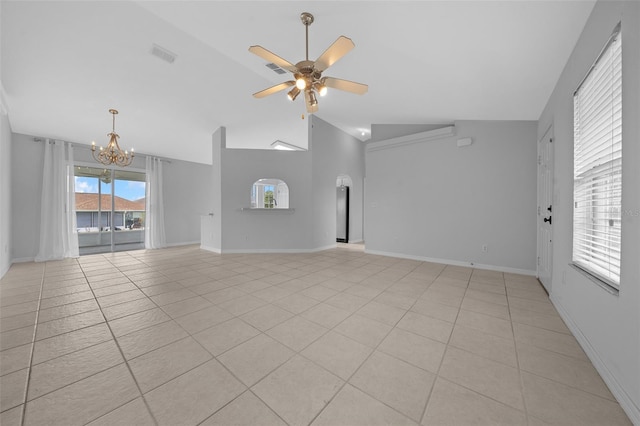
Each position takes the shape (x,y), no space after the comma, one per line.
(65,63)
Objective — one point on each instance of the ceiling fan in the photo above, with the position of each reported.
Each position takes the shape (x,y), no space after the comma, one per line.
(308,74)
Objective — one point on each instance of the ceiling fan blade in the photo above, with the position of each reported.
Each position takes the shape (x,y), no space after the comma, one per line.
(273,58)
(346,85)
(307,100)
(337,50)
(273,89)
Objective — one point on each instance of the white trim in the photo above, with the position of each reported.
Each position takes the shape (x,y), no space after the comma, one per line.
(4,106)
(454,262)
(317,249)
(262,209)
(23,260)
(429,135)
(285,146)
(185,243)
(618,391)
(3,272)
(259,251)
(360,241)
(209,248)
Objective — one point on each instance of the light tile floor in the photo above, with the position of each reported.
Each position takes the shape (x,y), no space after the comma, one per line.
(184,337)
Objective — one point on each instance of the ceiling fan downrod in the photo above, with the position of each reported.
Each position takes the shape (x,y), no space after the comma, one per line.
(307,19)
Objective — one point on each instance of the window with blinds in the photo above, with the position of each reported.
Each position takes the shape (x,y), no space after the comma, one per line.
(597,166)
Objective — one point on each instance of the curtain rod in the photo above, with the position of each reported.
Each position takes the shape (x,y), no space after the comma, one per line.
(85,146)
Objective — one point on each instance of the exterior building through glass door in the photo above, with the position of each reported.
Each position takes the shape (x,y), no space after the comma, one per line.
(105,222)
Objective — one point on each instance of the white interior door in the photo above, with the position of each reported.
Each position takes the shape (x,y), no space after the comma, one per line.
(545,209)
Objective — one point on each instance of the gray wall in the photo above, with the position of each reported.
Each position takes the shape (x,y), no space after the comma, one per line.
(311,177)
(186,198)
(433,200)
(27,158)
(607,326)
(265,230)
(6,245)
(186,189)
(335,153)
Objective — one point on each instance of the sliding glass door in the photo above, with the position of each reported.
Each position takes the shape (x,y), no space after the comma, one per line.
(110,209)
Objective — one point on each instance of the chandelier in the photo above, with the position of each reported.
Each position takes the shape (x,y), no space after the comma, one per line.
(112,154)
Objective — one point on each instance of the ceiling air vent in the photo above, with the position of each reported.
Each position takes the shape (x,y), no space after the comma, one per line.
(276,69)
(163,53)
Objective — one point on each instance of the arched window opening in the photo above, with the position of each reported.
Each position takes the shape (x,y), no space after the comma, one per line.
(269,194)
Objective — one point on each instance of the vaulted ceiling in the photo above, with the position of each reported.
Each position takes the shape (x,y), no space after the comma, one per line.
(65,63)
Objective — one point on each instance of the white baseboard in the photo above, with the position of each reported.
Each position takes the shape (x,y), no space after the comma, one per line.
(5,270)
(317,249)
(209,248)
(186,243)
(23,260)
(626,402)
(258,251)
(454,262)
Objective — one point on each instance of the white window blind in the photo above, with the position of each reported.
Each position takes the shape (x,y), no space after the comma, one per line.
(597,167)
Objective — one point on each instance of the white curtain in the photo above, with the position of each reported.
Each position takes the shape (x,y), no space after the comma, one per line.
(154,235)
(58,230)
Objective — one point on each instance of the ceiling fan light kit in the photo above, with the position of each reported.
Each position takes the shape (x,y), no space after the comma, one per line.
(308,74)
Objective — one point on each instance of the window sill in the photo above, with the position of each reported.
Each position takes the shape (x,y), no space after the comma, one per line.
(604,285)
(258,209)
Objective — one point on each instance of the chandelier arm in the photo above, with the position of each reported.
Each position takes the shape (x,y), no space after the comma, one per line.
(112,154)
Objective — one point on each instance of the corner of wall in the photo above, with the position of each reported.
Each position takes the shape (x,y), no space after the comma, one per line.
(6,247)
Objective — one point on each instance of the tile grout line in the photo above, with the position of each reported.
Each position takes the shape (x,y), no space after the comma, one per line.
(33,346)
(437,374)
(515,348)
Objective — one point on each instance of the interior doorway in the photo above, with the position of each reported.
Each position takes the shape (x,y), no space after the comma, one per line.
(343,184)
(545,209)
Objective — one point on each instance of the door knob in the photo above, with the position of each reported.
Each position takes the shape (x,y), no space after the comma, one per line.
(547,219)
(549,209)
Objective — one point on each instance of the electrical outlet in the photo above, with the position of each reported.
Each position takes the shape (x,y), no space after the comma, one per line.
(485,248)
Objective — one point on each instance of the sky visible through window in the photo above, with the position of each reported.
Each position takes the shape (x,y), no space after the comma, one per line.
(130,190)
